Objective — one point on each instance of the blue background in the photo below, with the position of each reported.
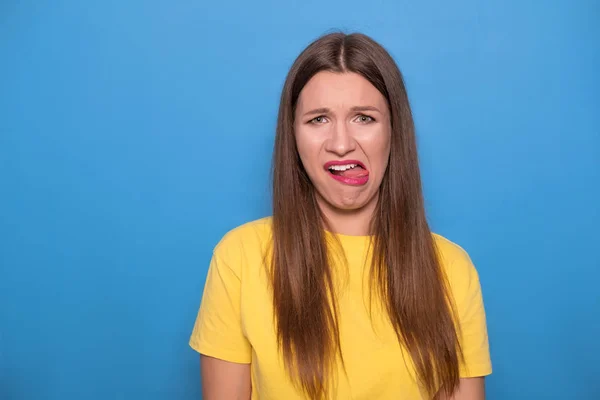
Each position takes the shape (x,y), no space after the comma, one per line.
(134,134)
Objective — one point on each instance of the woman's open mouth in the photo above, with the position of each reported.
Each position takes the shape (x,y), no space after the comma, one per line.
(349,172)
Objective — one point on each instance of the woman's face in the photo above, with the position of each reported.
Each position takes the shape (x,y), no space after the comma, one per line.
(343,131)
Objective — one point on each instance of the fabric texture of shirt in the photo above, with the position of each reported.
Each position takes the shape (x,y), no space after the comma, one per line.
(235,320)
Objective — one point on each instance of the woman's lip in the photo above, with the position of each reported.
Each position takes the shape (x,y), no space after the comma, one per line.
(358,181)
(343,162)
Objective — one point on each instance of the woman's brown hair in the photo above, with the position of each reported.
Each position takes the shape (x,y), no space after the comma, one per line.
(405,271)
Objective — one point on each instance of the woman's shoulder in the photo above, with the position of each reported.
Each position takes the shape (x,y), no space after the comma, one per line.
(250,237)
(456,262)
(258,228)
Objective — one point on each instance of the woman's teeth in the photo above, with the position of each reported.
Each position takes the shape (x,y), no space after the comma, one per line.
(342,167)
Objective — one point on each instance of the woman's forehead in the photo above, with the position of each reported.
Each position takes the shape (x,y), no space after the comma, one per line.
(339,91)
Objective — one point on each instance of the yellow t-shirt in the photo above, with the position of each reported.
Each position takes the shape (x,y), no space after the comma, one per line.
(235,321)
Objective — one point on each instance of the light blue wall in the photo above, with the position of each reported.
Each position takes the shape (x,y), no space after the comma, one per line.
(133,134)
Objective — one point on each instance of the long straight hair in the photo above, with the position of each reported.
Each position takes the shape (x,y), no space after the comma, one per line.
(405,270)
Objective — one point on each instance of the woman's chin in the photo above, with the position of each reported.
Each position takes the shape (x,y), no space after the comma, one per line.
(348,203)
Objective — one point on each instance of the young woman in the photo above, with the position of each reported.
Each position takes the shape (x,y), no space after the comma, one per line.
(344,293)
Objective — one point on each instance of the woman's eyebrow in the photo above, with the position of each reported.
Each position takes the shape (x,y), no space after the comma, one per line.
(322,110)
(325,110)
(365,108)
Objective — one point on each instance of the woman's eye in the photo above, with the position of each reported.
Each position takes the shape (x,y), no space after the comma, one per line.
(364,119)
(318,120)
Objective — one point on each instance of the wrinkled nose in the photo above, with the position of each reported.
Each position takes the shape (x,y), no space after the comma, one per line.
(340,141)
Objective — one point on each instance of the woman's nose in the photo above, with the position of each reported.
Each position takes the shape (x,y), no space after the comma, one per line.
(340,141)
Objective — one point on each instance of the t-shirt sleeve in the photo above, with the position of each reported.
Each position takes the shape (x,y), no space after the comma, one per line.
(218,329)
(472,320)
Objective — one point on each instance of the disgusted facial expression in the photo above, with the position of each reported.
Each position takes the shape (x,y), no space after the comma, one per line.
(343,133)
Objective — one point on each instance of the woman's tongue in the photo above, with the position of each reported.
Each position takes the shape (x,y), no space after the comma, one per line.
(355,172)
